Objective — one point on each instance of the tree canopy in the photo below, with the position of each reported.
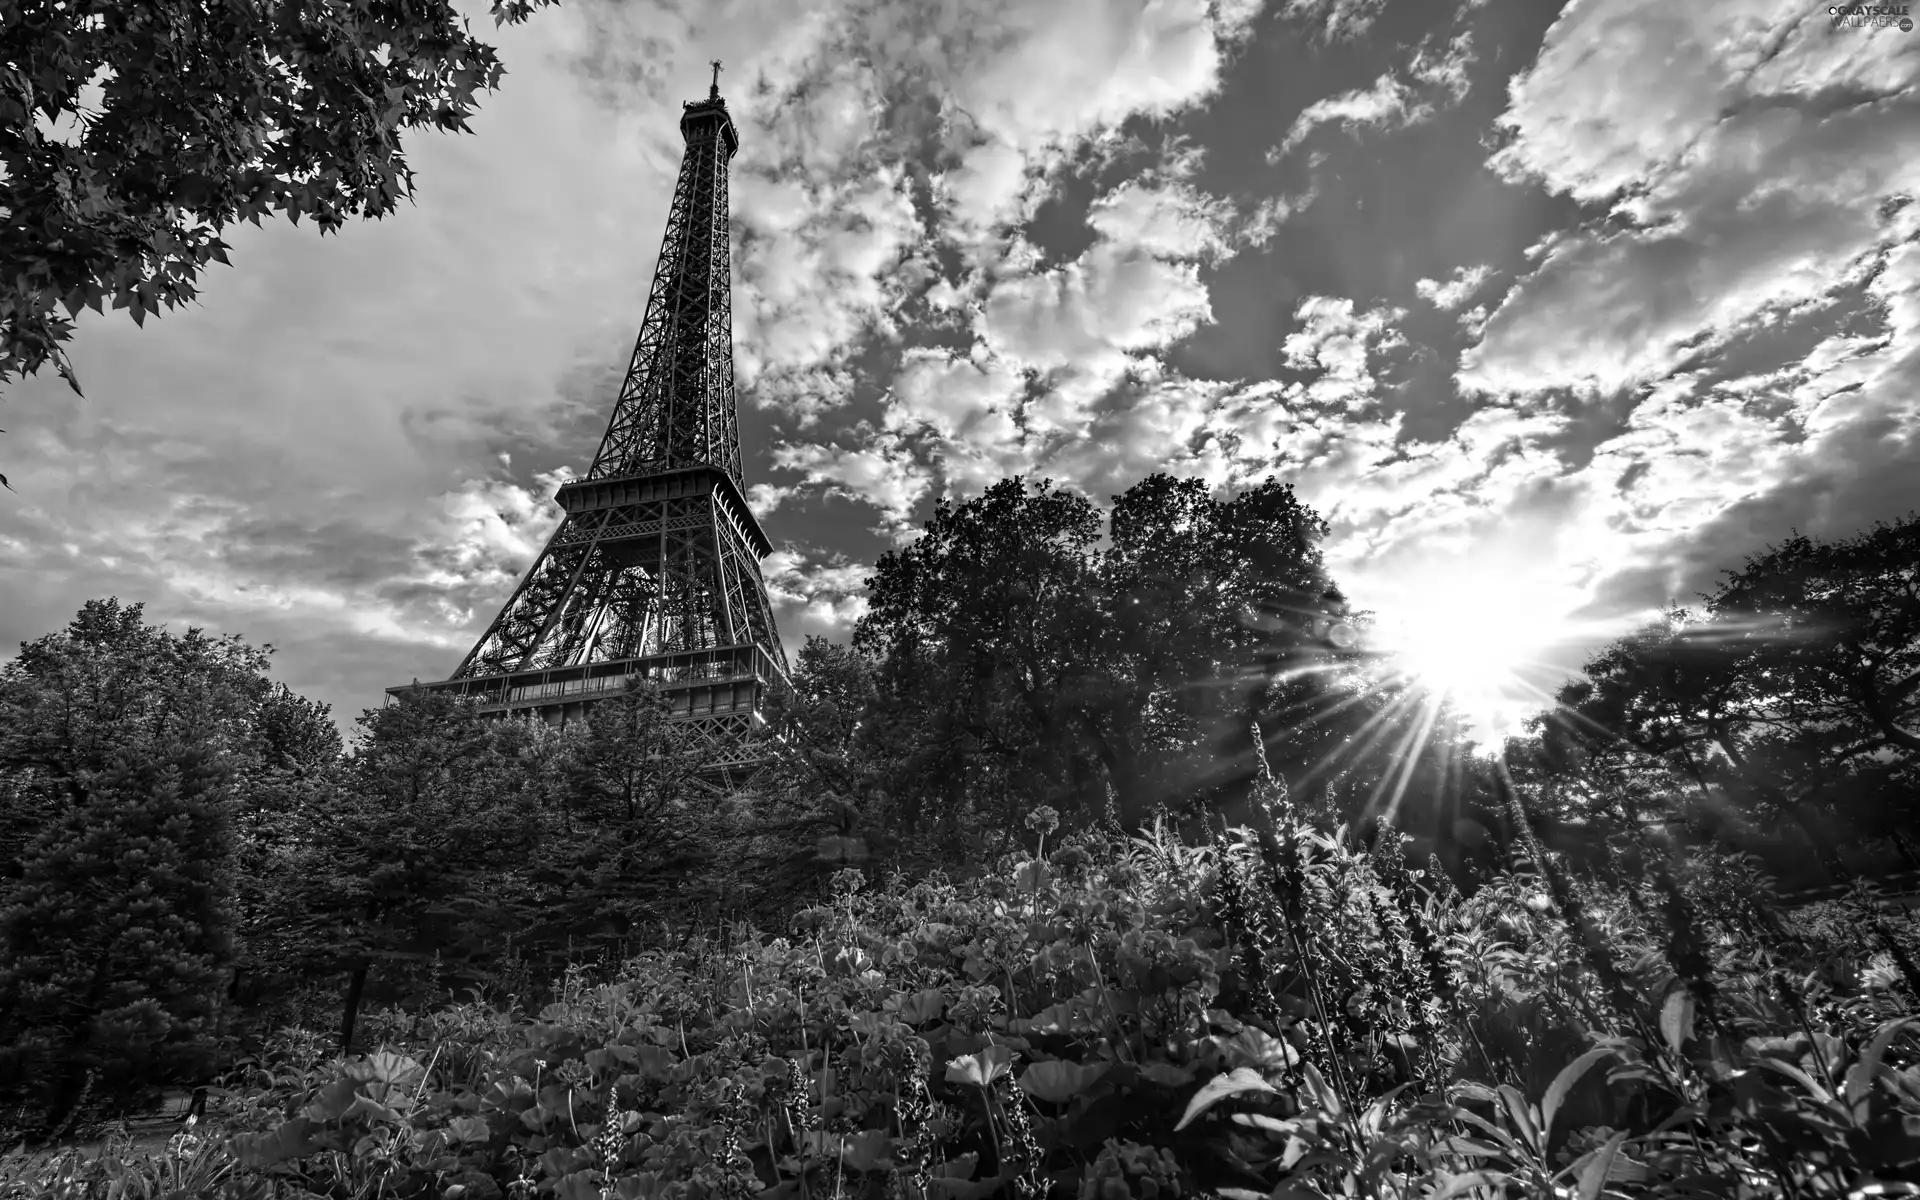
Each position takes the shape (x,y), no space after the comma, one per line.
(1017,662)
(132,134)
(1792,693)
(120,745)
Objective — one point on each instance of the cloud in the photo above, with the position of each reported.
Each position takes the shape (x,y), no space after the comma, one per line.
(1826,446)
(1338,343)
(1447,69)
(882,476)
(1459,286)
(1059,355)
(809,285)
(1019,85)
(1167,222)
(976,238)
(1335,20)
(815,593)
(1387,104)
(1390,102)
(1745,193)
(1111,300)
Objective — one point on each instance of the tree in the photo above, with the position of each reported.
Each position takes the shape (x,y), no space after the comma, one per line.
(208,112)
(639,820)
(1019,665)
(292,768)
(119,746)
(1221,610)
(404,853)
(1794,692)
(983,627)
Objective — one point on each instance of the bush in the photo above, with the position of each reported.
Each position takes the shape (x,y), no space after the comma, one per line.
(1280,1012)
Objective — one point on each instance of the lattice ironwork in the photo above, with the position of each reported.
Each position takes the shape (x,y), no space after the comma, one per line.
(655,571)
(676,405)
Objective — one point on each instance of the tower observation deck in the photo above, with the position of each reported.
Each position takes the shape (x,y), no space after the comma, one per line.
(654,571)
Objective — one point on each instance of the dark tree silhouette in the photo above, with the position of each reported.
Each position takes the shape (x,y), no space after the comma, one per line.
(1793,693)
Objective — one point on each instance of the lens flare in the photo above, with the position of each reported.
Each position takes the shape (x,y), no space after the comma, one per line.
(1482,644)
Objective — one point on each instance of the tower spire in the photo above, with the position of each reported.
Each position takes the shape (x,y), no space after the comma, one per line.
(654,572)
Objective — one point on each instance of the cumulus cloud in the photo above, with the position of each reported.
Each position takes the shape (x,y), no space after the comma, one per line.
(1060,376)
(883,476)
(1446,69)
(1112,299)
(1166,222)
(809,285)
(1394,99)
(1456,289)
(815,593)
(1825,445)
(1745,189)
(381,365)
(340,489)
(1388,103)
(1335,20)
(1338,343)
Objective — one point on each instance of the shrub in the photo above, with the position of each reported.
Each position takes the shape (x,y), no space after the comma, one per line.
(1280,1012)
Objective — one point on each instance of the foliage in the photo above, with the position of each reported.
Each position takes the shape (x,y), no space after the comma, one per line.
(1279,1012)
(1793,694)
(632,832)
(132,134)
(1226,993)
(399,855)
(1014,664)
(119,745)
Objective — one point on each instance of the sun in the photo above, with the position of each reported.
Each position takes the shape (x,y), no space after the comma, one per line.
(1474,639)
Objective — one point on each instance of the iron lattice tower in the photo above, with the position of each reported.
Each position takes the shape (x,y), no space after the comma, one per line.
(654,572)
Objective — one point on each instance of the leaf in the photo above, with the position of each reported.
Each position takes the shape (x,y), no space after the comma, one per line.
(1799,1076)
(1322,1092)
(560,1161)
(293,1139)
(1032,876)
(923,1006)
(1521,1112)
(1676,1018)
(1263,1121)
(1257,1048)
(1860,1076)
(1166,1074)
(981,1069)
(866,1150)
(1597,1166)
(1454,1185)
(1059,1082)
(578,1186)
(655,1062)
(372,1110)
(958,1168)
(469,1129)
(954,1189)
(1240,1079)
(1562,1084)
(1063,1017)
(331,1101)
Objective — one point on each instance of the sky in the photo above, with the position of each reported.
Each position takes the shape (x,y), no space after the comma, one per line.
(1553,312)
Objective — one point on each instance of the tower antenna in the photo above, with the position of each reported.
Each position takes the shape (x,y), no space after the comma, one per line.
(715,93)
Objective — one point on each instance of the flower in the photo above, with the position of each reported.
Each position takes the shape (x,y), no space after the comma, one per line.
(1046,819)
(847,880)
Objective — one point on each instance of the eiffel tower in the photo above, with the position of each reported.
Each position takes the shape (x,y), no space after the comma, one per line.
(654,572)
